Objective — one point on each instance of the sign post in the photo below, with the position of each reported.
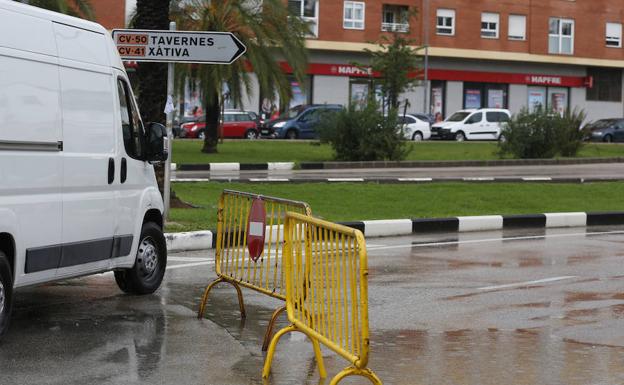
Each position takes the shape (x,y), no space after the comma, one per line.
(176,47)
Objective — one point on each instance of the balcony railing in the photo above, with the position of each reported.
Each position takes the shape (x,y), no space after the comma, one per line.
(395,27)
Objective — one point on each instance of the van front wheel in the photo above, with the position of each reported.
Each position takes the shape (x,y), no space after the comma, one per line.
(6,293)
(149,267)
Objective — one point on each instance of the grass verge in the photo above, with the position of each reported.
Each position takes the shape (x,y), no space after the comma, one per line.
(261,151)
(351,201)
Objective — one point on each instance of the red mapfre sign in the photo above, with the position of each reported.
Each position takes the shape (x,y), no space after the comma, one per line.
(256,229)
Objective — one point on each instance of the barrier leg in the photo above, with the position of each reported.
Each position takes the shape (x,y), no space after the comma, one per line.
(269,331)
(202,305)
(266,370)
(353,371)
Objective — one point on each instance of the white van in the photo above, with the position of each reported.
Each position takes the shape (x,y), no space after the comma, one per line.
(472,124)
(78,194)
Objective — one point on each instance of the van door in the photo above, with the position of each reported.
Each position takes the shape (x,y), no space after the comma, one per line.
(473,126)
(494,123)
(89,151)
(134,174)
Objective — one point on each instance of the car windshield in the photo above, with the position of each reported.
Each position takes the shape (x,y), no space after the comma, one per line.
(292,113)
(601,124)
(458,117)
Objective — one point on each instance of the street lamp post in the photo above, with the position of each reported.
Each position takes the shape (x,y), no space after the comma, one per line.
(426,41)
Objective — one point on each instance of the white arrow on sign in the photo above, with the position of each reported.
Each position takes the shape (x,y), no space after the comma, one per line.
(178,46)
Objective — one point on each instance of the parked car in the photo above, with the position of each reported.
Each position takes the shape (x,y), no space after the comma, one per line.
(424,117)
(606,130)
(472,124)
(236,124)
(178,130)
(299,122)
(414,128)
(79,192)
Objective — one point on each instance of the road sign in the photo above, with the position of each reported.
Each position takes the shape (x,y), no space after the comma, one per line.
(256,229)
(178,46)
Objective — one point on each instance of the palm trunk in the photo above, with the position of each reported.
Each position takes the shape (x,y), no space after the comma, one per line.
(213,113)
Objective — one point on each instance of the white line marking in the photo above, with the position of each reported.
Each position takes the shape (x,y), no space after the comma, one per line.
(528,283)
(345,179)
(493,240)
(172,267)
(186,259)
(183,180)
(478,179)
(415,179)
(268,180)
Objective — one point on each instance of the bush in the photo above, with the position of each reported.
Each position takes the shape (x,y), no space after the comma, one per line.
(542,134)
(364,135)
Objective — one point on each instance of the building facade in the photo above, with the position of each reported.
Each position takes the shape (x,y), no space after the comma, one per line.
(560,54)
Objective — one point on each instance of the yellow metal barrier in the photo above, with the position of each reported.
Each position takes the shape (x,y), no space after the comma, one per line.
(327,292)
(233,264)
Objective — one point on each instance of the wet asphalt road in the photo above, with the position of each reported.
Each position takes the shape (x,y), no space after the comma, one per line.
(512,307)
(605,170)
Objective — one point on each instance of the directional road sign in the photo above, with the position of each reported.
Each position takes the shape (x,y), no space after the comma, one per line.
(178,46)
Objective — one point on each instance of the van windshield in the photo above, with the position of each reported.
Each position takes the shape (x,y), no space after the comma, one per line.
(458,117)
(292,113)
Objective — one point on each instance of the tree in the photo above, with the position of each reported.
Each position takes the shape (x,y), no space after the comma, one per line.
(78,8)
(395,60)
(270,33)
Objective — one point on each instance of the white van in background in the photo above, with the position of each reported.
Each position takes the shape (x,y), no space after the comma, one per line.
(472,124)
(78,194)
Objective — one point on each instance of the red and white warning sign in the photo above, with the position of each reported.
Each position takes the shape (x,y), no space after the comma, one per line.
(256,229)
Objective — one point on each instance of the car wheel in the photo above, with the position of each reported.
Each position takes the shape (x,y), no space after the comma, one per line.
(251,134)
(417,137)
(150,264)
(291,134)
(460,136)
(608,139)
(201,135)
(6,294)
(501,138)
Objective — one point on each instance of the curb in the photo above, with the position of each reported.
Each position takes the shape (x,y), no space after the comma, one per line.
(388,164)
(535,179)
(200,240)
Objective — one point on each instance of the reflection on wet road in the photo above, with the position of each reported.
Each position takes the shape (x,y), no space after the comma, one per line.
(513,307)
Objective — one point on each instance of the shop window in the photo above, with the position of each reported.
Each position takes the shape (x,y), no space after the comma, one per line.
(561,36)
(271,106)
(438,90)
(517,27)
(607,85)
(360,93)
(353,15)
(614,35)
(555,99)
(445,24)
(485,95)
(489,25)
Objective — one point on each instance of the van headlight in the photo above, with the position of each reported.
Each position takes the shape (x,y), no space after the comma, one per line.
(279,124)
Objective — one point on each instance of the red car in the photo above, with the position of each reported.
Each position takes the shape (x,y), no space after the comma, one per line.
(236,124)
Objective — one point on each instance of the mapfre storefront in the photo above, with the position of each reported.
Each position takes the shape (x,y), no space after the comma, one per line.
(456,84)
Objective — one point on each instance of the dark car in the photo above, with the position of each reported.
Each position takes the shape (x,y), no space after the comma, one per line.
(299,122)
(606,130)
(424,117)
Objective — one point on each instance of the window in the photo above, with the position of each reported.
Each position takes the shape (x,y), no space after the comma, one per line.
(445,24)
(561,36)
(131,126)
(517,27)
(489,25)
(353,15)
(395,18)
(476,118)
(607,84)
(614,35)
(496,117)
(303,8)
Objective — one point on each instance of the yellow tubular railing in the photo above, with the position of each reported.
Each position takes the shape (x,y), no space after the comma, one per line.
(327,292)
(233,264)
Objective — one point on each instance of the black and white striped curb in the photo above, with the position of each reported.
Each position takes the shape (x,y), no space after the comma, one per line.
(533,179)
(271,166)
(199,240)
(393,164)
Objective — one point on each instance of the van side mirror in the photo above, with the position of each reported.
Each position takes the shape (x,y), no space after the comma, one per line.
(156,143)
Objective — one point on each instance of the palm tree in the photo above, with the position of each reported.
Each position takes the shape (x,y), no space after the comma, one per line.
(78,8)
(269,31)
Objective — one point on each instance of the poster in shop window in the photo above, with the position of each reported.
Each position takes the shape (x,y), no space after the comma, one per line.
(359,95)
(473,99)
(436,101)
(537,99)
(558,102)
(495,98)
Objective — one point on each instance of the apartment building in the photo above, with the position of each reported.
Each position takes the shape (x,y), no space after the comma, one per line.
(560,54)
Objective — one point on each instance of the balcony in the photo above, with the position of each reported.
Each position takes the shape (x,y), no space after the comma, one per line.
(395,18)
(395,27)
